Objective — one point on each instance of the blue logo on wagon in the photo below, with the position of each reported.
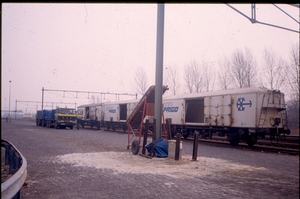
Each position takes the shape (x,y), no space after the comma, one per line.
(170,109)
(240,103)
(112,110)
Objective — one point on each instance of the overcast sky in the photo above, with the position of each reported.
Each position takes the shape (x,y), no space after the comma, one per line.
(98,47)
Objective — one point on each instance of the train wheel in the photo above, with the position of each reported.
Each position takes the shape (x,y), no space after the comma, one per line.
(234,136)
(135,147)
(234,141)
(251,139)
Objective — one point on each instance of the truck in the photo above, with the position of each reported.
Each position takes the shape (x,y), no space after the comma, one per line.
(61,118)
(41,117)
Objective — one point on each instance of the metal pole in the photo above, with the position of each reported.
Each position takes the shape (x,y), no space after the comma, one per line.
(9,103)
(42,98)
(16,111)
(159,69)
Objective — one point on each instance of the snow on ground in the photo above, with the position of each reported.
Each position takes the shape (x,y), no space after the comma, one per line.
(126,162)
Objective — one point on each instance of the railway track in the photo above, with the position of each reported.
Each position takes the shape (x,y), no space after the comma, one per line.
(289,145)
(260,146)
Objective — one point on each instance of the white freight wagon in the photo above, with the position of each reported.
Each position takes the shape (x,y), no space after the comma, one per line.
(241,114)
(91,115)
(116,113)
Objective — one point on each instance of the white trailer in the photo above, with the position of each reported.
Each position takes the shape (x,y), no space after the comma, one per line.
(241,114)
(116,113)
(91,115)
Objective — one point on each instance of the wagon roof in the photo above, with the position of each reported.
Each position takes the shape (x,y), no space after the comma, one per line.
(90,105)
(221,92)
(107,103)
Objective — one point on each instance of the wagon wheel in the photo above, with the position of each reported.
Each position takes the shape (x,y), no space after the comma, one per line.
(251,139)
(135,147)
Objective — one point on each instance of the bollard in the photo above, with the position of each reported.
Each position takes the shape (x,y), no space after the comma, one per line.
(177,147)
(7,148)
(145,137)
(17,164)
(195,146)
(11,161)
(168,124)
(153,137)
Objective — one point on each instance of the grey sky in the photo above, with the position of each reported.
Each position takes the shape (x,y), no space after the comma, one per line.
(97,47)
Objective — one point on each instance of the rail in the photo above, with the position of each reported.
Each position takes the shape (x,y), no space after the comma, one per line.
(18,167)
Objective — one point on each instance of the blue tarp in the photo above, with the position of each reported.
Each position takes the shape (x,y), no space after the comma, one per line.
(161,148)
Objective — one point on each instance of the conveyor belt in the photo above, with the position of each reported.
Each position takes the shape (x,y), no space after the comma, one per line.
(144,108)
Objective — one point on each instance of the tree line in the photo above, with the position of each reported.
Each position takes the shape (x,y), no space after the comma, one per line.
(240,70)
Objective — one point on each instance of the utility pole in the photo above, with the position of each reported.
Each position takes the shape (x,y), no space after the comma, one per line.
(159,69)
(9,102)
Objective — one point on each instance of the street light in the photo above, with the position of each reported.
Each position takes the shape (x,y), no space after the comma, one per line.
(9,102)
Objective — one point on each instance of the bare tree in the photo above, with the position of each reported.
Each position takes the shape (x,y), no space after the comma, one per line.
(292,72)
(141,81)
(224,74)
(208,77)
(188,77)
(242,70)
(273,69)
(172,79)
(250,69)
(193,77)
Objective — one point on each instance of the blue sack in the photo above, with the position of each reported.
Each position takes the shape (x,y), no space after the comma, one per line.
(161,148)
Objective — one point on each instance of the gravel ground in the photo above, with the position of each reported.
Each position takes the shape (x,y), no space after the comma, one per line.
(88,163)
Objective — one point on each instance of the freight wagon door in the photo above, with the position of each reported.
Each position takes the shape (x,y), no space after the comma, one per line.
(123,112)
(217,110)
(194,110)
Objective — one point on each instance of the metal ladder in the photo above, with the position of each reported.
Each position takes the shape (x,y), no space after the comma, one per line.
(263,112)
(284,119)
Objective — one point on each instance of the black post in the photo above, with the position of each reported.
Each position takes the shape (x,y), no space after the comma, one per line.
(17,164)
(168,124)
(145,137)
(177,147)
(7,148)
(11,161)
(153,137)
(195,146)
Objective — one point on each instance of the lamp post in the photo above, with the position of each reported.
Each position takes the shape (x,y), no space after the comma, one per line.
(9,102)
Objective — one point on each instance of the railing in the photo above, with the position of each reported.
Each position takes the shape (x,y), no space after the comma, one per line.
(17,167)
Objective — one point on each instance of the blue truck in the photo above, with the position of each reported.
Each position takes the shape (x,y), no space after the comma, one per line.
(41,117)
(61,118)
